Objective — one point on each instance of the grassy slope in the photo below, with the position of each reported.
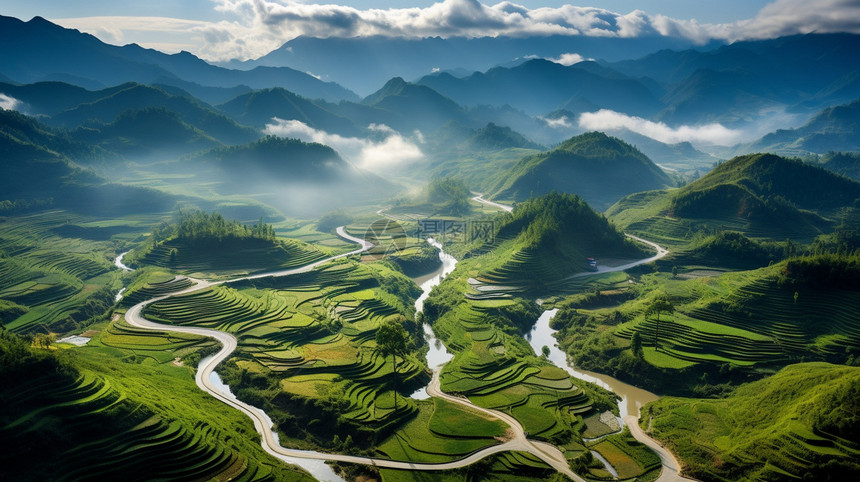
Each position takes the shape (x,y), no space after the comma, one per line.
(760,195)
(58,265)
(724,328)
(493,364)
(599,168)
(801,422)
(546,240)
(93,416)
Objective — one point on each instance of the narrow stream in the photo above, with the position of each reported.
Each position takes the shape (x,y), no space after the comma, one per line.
(632,398)
(437,355)
(119,264)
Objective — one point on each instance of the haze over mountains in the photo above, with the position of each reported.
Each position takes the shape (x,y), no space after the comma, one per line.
(713,96)
(643,196)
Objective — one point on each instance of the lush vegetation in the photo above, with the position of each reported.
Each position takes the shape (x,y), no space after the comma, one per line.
(845,163)
(309,352)
(451,194)
(207,243)
(546,240)
(482,321)
(720,330)
(599,168)
(800,423)
(53,276)
(102,412)
(759,195)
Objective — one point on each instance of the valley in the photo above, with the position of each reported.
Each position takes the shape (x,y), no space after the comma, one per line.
(486,252)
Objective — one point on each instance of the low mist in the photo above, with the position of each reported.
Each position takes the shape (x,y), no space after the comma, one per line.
(385,150)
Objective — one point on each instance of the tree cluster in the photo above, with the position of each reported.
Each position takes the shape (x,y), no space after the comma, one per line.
(198,227)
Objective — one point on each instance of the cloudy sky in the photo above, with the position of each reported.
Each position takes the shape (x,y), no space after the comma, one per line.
(243,29)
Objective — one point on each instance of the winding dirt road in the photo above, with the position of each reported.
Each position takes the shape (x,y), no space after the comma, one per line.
(671,466)
(546,452)
(480,198)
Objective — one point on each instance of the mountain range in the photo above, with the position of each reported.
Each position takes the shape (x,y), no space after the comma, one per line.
(380,58)
(39,50)
(833,129)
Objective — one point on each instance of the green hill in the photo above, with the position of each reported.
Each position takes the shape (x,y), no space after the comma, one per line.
(145,132)
(845,163)
(833,129)
(111,103)
(494,137)
(599,168)
(801,423)
(204,243)
(101,413)
(720,330)
(298,177)
(260,106)
(33,173)
(761,195)
(548,239)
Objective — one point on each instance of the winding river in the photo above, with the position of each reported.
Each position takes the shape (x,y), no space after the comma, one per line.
(207,379)
(437,355)
(632,398)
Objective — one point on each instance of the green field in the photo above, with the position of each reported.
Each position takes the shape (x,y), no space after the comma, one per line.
(56,269)
(799,423)
(727,328)
(108,412)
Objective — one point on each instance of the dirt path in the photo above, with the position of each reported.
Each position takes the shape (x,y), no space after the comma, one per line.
(479,198)
(548,453)
(671,466)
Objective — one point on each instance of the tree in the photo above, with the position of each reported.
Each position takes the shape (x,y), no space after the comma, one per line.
(661,304)
(545,351)
(636,344)
(392,339)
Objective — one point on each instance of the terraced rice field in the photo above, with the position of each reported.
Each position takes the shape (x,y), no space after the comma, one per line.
(628,457)
(95,431)
(497,369)
(441,432)
(52,275)
(145,344)
(754,322)
(315,330)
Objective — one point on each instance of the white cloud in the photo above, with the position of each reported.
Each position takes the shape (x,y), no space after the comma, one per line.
(788,17)
(162,33)
(9,103)
(569,59)
(252,28)
(387,149)
(558,123)
(712,134)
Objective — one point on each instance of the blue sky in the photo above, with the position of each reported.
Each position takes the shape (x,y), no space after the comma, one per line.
(226,29)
